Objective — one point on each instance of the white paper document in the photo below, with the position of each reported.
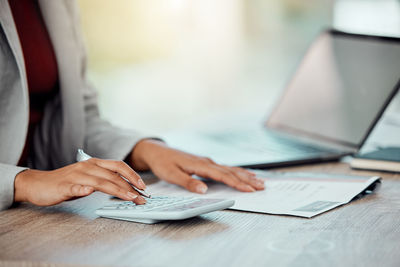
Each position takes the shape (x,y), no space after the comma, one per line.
(286,193)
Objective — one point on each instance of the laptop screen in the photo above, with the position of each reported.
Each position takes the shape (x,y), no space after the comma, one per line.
(340,88)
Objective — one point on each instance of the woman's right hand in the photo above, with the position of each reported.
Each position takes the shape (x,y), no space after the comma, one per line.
(45,188)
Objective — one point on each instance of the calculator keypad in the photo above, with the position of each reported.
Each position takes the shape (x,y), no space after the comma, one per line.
(161,203)
(189,205)
(162,208)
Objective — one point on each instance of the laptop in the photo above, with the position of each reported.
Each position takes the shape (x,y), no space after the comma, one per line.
(330,105)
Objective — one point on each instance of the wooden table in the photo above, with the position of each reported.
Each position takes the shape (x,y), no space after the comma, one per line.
(364,233)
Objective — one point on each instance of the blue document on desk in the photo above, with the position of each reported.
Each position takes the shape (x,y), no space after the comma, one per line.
(287,193)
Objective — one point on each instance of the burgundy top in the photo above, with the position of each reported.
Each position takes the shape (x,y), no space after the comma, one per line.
(40,62)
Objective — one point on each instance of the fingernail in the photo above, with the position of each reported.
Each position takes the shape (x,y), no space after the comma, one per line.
(140,200)
(251,188)
(257,180)
(131,195)
(261,185)
(247,188)
(87,189)
(141,184)
(202,189)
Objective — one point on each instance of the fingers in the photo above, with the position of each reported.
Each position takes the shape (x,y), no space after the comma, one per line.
(108,187)
(248,177)
(122,168)
(244,171)
(179,177)
(109,175)
(105,176)
(221,174)
(116,179)
(235,177)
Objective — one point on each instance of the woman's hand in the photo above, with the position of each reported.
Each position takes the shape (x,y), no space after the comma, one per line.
(176,167)
(45,188)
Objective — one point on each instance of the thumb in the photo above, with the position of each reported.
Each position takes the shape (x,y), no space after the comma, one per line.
(77,190)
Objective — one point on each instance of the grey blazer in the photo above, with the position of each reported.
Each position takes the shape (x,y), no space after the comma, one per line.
(70,121)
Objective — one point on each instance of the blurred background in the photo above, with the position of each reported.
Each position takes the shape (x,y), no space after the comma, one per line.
(162,65)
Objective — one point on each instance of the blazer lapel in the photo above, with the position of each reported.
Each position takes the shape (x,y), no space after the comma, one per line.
(17,125)
(7,22)
(61,28)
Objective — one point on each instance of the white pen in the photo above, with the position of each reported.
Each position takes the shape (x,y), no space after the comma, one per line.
(81,156)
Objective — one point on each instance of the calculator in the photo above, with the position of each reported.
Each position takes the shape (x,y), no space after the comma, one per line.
(162,208)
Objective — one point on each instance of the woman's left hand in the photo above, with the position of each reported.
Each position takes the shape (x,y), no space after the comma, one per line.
(177,167)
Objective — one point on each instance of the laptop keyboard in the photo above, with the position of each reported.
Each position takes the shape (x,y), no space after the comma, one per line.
(266,142)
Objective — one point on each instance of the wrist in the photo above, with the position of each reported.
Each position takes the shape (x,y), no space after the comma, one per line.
(20,186)
(143,152)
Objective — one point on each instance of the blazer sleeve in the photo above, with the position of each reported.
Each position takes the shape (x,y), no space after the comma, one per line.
(8,173)
(102,139)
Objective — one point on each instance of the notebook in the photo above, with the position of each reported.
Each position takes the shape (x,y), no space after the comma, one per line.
(382,159)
